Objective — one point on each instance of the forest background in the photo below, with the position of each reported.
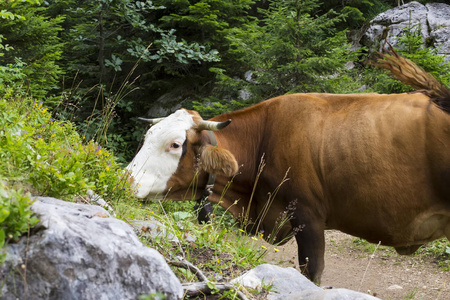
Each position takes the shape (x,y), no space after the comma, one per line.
(103,63)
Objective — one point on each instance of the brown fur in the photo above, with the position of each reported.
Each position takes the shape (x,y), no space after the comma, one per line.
(219,161)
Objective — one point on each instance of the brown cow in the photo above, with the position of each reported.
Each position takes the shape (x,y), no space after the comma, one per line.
(373,166)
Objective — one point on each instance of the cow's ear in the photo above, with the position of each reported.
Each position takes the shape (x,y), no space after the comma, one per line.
(219,161)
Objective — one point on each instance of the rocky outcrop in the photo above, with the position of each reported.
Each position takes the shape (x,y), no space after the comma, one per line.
(433,20)
(79,252)
(290,284)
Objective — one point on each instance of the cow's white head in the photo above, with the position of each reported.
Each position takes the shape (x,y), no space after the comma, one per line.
(175,156)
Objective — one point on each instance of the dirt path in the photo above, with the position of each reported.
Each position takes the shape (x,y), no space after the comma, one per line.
(386,275)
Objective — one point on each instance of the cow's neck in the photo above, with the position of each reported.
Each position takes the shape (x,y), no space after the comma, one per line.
(243,139)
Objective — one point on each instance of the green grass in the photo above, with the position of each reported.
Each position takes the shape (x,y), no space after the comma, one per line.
(220,248)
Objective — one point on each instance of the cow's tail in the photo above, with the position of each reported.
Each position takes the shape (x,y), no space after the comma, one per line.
(411,74)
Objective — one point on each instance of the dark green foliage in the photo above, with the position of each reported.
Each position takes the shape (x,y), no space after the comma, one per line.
(357,12)
(300,47)
(35,49)
(291,50)
(107,37)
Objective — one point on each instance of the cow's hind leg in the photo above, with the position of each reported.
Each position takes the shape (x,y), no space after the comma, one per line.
(311,246)
(447,231)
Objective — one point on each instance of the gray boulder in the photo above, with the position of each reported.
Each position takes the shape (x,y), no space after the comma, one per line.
(167,103)
(439,24)
(433,20)
(288,283)
(79,251)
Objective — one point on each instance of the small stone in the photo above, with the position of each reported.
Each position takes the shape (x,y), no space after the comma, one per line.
(395,287)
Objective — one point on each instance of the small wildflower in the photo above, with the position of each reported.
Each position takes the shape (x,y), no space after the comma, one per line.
(107,169)
(98,150)
(253,238)
(241,230)
(264,247)
(275,249)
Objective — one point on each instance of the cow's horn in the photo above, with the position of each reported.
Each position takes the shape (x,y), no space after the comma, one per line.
(151,121)
(211,125)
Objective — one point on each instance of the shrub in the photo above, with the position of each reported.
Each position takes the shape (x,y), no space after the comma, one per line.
(50,155)
(15,215)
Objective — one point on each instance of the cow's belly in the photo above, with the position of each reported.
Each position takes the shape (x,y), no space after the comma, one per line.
(406,237)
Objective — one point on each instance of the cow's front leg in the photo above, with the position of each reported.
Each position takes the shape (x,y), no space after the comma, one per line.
(311,246)
(204,210)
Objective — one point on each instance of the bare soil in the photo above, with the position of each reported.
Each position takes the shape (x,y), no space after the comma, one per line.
(378,271)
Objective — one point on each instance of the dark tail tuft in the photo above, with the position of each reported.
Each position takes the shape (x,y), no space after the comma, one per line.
(410,74)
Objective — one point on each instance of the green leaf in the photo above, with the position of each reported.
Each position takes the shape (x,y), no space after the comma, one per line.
(4,213)
(2,238)
(182,215)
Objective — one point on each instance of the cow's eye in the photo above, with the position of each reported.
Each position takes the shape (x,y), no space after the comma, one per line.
(175,145)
